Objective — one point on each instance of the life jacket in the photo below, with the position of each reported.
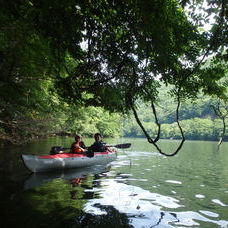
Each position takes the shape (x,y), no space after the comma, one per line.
(76,150)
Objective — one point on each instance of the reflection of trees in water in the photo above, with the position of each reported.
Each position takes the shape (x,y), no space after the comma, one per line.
(112,218)
(162,216)
(82,183)
(87,182)
(79,185)
(51,206)
(155,223)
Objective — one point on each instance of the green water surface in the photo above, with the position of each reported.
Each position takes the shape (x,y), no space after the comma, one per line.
(140,189)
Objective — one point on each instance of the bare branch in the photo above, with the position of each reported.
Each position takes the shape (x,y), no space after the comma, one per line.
(150,140)
(178,123)
(156,121)
(223,117)
(155,115)
(223,132)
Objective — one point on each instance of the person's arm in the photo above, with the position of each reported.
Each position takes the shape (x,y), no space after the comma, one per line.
(82,145)
(72,147)
(77,149)
(91,146)
(82,149)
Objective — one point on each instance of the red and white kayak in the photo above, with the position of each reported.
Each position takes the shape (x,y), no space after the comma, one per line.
(46,163)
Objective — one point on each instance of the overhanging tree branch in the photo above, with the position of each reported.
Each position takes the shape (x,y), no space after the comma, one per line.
(222,115)
(155,115)
(149,138)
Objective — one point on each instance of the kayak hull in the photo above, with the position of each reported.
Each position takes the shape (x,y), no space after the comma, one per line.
(64,161)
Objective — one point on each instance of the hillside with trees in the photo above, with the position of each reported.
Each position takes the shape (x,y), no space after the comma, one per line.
(197,118)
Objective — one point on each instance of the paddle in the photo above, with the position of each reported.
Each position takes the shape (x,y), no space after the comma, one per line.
(120,146)
(57,149)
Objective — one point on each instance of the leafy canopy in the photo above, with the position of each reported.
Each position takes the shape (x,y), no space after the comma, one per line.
(107,53)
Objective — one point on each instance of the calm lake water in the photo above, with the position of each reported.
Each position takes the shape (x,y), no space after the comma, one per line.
(139,189)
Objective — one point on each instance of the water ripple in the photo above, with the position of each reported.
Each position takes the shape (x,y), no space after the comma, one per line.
(217,201)
(173,182)
(209,213)
(199,196)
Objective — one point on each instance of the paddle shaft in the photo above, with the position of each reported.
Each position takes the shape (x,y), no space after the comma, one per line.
(120,146)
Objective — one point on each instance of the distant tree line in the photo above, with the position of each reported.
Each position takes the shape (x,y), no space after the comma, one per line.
(197,118)
(194,129)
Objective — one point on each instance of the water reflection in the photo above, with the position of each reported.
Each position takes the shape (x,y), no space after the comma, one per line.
(75,176)
(145,208)
(82,185)
(141,189)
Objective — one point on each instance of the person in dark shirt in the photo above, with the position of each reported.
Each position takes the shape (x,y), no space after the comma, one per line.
(98,145)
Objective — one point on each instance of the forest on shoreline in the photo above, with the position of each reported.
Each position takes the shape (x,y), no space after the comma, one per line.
(197,118)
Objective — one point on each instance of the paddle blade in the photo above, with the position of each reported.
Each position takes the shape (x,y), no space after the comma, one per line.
(123,146)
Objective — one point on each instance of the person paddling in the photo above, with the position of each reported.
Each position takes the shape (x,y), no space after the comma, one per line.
(78,146)
(98,145)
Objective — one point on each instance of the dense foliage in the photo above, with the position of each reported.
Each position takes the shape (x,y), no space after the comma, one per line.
(59,58)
